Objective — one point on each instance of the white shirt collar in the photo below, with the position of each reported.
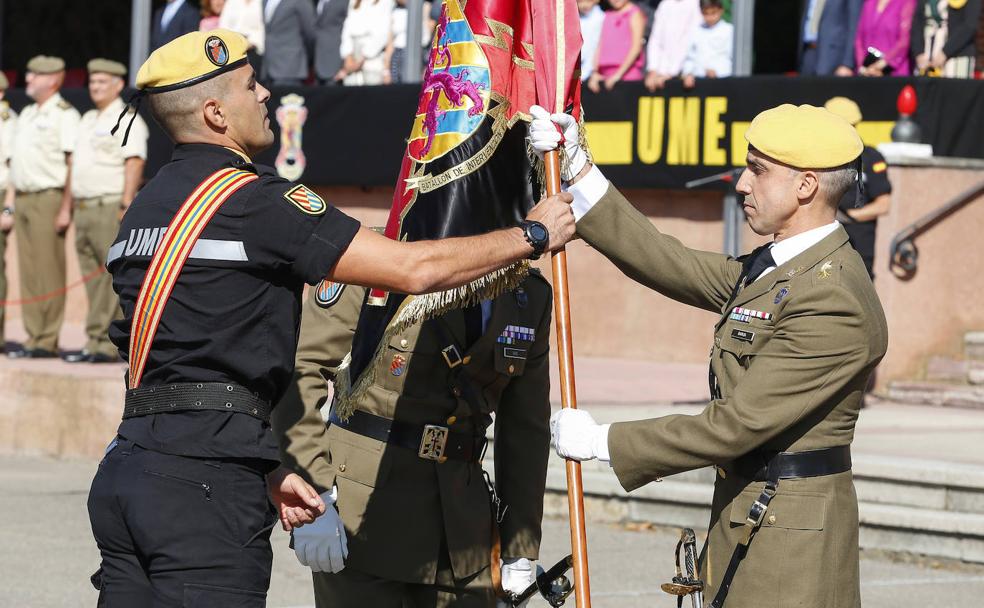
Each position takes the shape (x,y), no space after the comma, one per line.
(787,249)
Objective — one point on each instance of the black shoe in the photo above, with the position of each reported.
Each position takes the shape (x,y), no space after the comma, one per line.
(76,356)
(101,358)
(40,353)
(17,352)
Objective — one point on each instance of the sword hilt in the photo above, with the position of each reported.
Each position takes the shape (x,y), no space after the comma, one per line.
(553,585)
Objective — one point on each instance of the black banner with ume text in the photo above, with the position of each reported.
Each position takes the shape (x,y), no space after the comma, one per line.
(355,136)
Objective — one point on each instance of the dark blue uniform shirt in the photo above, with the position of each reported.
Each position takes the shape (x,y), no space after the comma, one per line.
(235,310)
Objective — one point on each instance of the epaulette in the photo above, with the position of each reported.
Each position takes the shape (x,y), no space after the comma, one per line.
(64,105)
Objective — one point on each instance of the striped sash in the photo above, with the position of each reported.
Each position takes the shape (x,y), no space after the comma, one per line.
(170,257)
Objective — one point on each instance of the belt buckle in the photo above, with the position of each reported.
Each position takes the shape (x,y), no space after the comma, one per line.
(432,442)
(451,356)
(756,514)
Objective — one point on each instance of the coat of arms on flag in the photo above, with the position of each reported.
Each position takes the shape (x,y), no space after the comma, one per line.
(466,168)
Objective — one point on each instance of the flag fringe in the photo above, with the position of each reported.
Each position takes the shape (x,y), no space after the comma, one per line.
(416,309)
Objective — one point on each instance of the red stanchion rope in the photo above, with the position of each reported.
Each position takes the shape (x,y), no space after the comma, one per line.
(55,293)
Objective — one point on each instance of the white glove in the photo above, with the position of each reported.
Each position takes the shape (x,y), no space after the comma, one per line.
(322,545)
(518,573)
(576,436)
(545,136)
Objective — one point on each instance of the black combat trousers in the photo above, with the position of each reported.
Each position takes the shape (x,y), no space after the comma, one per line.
(180,532)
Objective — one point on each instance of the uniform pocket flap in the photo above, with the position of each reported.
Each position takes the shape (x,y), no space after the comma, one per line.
(355,457)
(212,596)
(745,339)
(792,511)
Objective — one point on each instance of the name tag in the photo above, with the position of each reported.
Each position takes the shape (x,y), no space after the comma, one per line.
(514,353)
(742,335)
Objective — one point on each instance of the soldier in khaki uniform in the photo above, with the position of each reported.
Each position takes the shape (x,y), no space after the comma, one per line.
(419,527)
(8,122)
(799,333)
(105,178)
(40,170)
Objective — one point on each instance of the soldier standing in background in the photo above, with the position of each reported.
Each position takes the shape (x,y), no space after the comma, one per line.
(8,121)
(40,170)
(105,179)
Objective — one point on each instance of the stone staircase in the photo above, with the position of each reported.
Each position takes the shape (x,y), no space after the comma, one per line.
(949,382)
(921,507)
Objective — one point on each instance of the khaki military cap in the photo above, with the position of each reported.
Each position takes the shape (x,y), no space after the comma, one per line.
(4,85)
(43,64)
(106,66)
(805,137)
(845,108)
(191,59)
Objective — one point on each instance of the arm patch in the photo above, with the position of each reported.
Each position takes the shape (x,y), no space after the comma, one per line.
(306,200)
(327,293)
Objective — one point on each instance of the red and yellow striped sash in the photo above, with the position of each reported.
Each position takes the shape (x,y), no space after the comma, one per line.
(170,257)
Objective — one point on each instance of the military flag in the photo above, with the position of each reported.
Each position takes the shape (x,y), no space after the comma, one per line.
(466,168)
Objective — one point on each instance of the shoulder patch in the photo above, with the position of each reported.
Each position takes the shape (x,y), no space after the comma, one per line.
(879,167)
(306,200)
(327,293)
(64,105)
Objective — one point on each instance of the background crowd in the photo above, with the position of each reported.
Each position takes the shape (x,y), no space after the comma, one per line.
(363,42)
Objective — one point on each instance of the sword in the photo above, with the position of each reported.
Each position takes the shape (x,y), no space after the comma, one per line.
(552,584)
(687,580)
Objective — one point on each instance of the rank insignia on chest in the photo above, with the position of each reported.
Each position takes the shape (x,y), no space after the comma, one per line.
(744,314)
(327,293)
(782,294)
(513,333)
(306,200)
(399,365)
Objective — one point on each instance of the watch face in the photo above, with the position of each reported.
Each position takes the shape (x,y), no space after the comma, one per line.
(538,232)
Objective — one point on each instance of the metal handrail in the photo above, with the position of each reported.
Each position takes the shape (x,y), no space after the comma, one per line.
(903,253)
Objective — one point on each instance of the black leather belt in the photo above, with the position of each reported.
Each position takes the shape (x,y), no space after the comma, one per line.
(192,396)
(793,465)
(429,441)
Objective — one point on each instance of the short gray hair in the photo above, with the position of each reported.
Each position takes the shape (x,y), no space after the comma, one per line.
(837,181)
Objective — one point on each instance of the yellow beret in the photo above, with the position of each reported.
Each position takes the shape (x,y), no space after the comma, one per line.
(106,66)
(4,85)
(43,64)
(805,137)
(191,59)
(845,108)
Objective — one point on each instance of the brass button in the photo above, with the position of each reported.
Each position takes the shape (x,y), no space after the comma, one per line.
(404,343)
(466,360)
(772,520)
(721,473)
(341,468)
(452,420)
(456,391)
(512,368)
(442,460)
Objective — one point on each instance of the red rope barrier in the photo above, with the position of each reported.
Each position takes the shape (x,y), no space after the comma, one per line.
(55,293)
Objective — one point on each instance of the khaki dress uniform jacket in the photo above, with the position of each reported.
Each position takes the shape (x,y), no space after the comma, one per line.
(38,171)
(789,382)
(8,122)
(400,511)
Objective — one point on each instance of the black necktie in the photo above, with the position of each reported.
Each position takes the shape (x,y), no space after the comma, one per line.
(762,261)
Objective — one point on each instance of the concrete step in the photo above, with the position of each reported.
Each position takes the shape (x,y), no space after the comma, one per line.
(959,371)
(925,507)
(936,393)
(974,345)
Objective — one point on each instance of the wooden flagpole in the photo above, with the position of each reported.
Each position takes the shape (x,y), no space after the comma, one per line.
(565,342)
(568,395)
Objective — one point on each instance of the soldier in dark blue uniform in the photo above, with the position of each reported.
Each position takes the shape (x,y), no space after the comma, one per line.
(210,293)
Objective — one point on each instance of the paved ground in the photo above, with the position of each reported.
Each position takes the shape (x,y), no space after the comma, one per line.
(48,554)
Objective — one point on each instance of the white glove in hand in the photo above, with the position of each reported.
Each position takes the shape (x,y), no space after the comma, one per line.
(576,436)
(518,573)
(322,545)
(545,136)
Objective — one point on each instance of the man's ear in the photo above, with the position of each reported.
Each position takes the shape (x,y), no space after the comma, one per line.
(215,115)
(807,186)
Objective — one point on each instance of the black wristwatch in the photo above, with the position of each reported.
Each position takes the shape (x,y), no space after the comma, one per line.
(537,236)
